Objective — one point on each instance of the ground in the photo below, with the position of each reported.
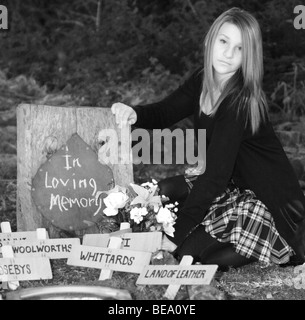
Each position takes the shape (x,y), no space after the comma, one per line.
(252,282)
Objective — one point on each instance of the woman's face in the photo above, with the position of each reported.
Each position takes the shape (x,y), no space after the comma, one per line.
(227,51)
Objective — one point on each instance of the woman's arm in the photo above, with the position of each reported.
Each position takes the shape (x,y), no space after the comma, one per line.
(175,107)
(220,160)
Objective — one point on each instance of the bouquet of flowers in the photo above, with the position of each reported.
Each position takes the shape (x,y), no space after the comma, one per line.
(140,206)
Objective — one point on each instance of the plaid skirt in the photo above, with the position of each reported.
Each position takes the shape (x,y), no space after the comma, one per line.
(238,217)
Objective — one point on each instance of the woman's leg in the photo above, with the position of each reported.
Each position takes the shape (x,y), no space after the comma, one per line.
(199,244)
(207,250)
(227,257)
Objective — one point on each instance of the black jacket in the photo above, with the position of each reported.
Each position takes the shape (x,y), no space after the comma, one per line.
(256,162)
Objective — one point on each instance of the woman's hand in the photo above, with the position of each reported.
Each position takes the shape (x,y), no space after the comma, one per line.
(167,245)
(123,114)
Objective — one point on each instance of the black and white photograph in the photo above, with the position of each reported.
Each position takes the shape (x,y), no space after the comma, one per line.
(152,153)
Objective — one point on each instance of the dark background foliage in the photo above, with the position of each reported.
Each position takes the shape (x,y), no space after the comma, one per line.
(94,48)
(96,52)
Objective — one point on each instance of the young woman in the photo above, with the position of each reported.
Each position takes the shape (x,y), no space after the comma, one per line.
(247,205)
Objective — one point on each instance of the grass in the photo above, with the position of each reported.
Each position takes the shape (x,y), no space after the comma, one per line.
(251,282)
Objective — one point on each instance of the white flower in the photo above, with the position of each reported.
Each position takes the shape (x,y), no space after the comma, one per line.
(117,188)
(165,216)
(115,201)
(146,196)
(170,206)
(154,181)
(167,219)
(169,229)
(137,214)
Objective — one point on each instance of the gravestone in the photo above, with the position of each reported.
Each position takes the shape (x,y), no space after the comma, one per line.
(48,138)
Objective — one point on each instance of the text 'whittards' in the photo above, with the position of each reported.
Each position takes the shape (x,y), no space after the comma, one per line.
(112,259)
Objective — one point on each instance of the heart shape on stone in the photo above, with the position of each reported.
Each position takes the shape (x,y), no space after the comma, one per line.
(65,186)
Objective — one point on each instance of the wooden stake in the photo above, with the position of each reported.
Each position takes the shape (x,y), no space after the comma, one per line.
(7,252)
(114,243)
(174,288)
(41,233)
(6,227)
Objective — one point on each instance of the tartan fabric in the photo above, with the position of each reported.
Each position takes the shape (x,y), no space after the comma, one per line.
(240,218)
